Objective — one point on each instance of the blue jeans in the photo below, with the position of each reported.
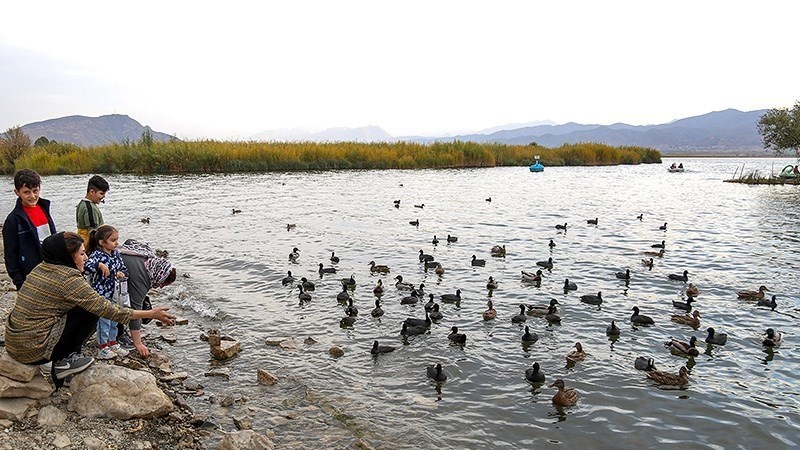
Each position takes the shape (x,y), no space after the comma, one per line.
(106,330)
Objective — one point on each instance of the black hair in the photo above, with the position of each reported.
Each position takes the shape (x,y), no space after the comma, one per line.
(173,274)
(97,183)
(100,234)
(73,242)
(26,177)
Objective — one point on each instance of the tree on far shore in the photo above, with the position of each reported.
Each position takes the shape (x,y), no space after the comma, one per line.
(13,143)
(780,130)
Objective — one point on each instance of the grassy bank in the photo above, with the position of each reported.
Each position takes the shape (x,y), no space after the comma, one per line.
(216,156)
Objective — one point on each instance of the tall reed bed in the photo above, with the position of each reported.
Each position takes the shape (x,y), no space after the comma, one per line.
(225,156)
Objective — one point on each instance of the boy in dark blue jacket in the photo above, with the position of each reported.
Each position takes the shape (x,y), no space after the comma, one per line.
(26,227)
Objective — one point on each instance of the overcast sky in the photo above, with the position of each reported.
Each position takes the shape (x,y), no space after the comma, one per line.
(229,70)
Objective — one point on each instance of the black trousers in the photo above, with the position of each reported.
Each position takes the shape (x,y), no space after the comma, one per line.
(80,325)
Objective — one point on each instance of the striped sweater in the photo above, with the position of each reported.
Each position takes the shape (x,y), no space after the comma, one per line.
(37,320)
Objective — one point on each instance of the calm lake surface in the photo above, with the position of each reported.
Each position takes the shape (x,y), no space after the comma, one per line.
(729,237)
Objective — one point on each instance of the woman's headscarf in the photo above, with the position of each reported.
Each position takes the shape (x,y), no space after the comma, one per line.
(158,269)
(54,251)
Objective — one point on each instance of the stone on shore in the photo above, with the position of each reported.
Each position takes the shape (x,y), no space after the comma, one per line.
(17,371)
(245,440)
(37,387)
(336,351)
(222,349)
(221,372)
(267,378)
(50,416)
(135,393)
(15,408)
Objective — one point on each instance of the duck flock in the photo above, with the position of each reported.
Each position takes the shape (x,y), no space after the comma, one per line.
(397,288)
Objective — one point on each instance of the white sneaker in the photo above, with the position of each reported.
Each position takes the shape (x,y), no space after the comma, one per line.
(121,352)
(106,353)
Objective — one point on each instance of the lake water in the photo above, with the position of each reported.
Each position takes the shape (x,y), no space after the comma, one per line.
(729,237)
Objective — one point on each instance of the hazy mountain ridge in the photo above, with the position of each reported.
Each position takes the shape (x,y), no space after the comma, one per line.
(91,131)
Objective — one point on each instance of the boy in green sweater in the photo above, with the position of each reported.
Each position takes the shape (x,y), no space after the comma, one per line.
(87,213)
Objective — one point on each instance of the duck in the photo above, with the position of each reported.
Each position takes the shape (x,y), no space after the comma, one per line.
(430,265)
(414,322)
(288,279)
(435,241)
(291,226)
(716,338)
(551,244)
(378,268)
(303,296)
(692,290)
(534,374)
(456,337)
(551,315)
(624,275)
(378,289)
(771,303)
(429,305)
(499,251)
(682,347)
(294,255)
(435,314)
(410,299)
(569,286)
(676,277)
(421,206)
(645,364)
(661,245)
(562,227)
(578,354)
(344,296)
(648,263)
(546,264)
(347,321)
(235,211)
(772,338)
(414,222)
(639,319)
(693,320)
(423,257)
(403,285)
(593,299)
(592,221)
(451,239)
(323,270)
(528,277)
(308,285)
(663,227)
(436,373)
(686,306)
(659,253)
(412,330)
(145,220)
(396,203)
(420,290)
(478,262)
(542,310)
(521,317)
(378,349)
(640,217)
(490,313)
(377,311)
(491,284)
(670,379)
(439,269)
(564,397)
(489,199)
(334,258)
(528,337)
(451,298)
(613,329)
(349,282)
(753,295)
(351,309)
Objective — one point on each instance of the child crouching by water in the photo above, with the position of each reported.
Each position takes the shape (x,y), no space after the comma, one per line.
(107,268)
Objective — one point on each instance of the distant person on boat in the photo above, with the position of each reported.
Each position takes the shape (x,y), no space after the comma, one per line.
(680,166)
(673,166)
(796,170)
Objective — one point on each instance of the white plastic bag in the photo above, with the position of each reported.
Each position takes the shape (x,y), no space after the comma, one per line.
(121,296)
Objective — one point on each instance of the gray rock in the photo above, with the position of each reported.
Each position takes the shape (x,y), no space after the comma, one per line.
(174,376)
(243,423)
(17,371)
(227,401)
(92,443)
(112,391)
(222,373)
(50,416)
(267,378)
(15,408)
(5,423)
(245,440)
(192,385)
(61,441)
(169,337)
(336,352)
(37,387)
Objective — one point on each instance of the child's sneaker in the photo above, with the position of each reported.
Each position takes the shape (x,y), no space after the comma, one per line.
(106,353)
(121,352)
(71,365)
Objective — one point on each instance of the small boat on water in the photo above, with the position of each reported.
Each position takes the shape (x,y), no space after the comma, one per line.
(537,166)
(673,168)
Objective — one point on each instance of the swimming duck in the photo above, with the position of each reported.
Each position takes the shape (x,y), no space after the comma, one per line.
(676,277)
(551,244)
(499,251)
(648,263)
(716,338)
(349,282)
(578,354)
(412,331)
(670,379)
(289,279)
(693,320)
(378,289)
(431,264)
(551,315)
(490,313)
(692,290)
(351,309)
(569,286)
(534,374)
(773,338)
(659,253)
(403,285)
(347,321)
(396,203)
(435,314)
(491,284)
(323,270)
(542,310)
(414,322)
(682,347)
(771,303)
(451,298)
(423,257)
(661,245)
(593,299)
(528,277)
(663,227)
(562,227)
(380,349)
(521,317)
(410,299)
(378,311)
(429,305)
(752,295)
(439,269)
(435,241)
(613,329)
(308,285)
(489,199)
(378,268)
(640,319)
(687,306)
(334,258)
(640,217)
(420,206)
(294,255)
(624,275)
(564,397)
(236,211)
(303,296)
(436,373)
(592,221)
(478,262)
(451,239)
(456,337)
(420,290)
(546,264)
(343,296)
(646,364)
(414,222)
(145,220)
(529,337)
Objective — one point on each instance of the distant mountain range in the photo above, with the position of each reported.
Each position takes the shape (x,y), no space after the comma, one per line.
(91,131)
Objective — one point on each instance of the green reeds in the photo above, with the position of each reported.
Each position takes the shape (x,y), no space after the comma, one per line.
(224,156)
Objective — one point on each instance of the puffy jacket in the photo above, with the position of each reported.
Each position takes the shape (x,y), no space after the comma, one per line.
(22,250)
